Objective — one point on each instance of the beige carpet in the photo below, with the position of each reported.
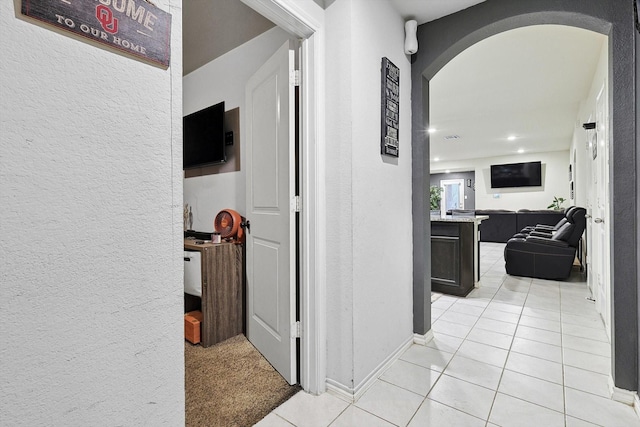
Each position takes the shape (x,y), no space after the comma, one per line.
(230,384)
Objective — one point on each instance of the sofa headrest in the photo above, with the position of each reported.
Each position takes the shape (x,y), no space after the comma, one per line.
(578,218)
(538,211)
(564,233)
(577,215)
(570,211)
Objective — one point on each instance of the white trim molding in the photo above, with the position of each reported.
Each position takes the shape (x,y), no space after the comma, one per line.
(351,395)
(340,391)
(623,396)
(305,20)
(301,18)
(423,339)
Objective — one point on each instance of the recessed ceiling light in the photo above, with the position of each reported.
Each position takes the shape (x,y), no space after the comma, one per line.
(520,151)
(436,159)
(447,171)
(431,130)
(511,138)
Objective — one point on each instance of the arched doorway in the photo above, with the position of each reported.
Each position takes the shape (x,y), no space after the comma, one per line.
(479,22)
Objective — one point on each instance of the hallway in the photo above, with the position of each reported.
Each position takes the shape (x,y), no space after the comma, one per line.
(515,352)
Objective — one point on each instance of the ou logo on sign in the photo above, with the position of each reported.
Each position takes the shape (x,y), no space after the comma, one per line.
(107,20)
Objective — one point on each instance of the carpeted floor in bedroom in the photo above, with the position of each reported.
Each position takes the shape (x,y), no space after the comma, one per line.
(230,384)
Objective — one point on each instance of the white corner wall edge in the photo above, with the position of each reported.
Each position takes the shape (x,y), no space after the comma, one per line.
(423,339)
(351,395)
(627,397)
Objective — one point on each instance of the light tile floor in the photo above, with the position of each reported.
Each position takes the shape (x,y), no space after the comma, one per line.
(515,352)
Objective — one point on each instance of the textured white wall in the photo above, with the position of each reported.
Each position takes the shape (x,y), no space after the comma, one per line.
(90,205)
(224,79)
(382,214)
(555,181)
(339,141)
(369,245)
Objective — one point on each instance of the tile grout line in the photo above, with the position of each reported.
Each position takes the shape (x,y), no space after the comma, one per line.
(564,388)
(452,357)
(508,353)
(449,362)
(532,291)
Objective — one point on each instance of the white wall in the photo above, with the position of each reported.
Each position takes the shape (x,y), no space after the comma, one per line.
(224,79)
(555,181)
(587,113)
(91,300)
(368,195)
(339,245)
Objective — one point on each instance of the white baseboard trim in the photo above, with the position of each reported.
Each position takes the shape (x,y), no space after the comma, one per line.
(623,396)
(351,395)
(423,339)
(339,390)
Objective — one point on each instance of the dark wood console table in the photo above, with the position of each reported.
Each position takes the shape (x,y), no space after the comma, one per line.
(222,290)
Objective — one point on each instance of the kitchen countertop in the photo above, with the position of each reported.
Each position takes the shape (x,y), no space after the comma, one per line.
(458,218)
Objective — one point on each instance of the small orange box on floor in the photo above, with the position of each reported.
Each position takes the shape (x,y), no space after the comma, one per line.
(192,321)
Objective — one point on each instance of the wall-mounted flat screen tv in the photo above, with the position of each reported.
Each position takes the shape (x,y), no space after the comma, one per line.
(203,137)
(516,175)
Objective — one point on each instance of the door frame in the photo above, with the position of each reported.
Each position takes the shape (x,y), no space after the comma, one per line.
(602,191)
(305,20)
(443,183)
(483,20)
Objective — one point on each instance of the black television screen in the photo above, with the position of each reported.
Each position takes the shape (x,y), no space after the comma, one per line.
(516,175)
(203,137)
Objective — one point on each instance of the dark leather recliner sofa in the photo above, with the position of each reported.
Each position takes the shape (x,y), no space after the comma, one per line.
(545,228)
(526,217)
(499,227)
(503,224)
(540,256)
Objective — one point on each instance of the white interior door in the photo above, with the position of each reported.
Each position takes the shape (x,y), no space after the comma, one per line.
(269,140)
(589,205)
(452,195)
(599,217)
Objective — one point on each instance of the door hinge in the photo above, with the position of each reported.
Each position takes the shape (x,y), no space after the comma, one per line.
(295,77)
(296,204)
(296,332)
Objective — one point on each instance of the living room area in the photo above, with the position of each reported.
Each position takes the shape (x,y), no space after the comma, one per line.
(531,102)
(543,345)
(530,94)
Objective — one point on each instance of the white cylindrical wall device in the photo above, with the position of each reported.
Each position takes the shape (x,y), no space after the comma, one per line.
(410,37)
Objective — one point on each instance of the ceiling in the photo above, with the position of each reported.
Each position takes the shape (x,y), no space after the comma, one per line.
(429,10)
(211,28)
(526,82)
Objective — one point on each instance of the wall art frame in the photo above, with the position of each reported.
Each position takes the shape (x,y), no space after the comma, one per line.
(390,109)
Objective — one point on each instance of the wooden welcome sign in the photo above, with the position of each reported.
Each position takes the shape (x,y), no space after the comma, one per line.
(133,26)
